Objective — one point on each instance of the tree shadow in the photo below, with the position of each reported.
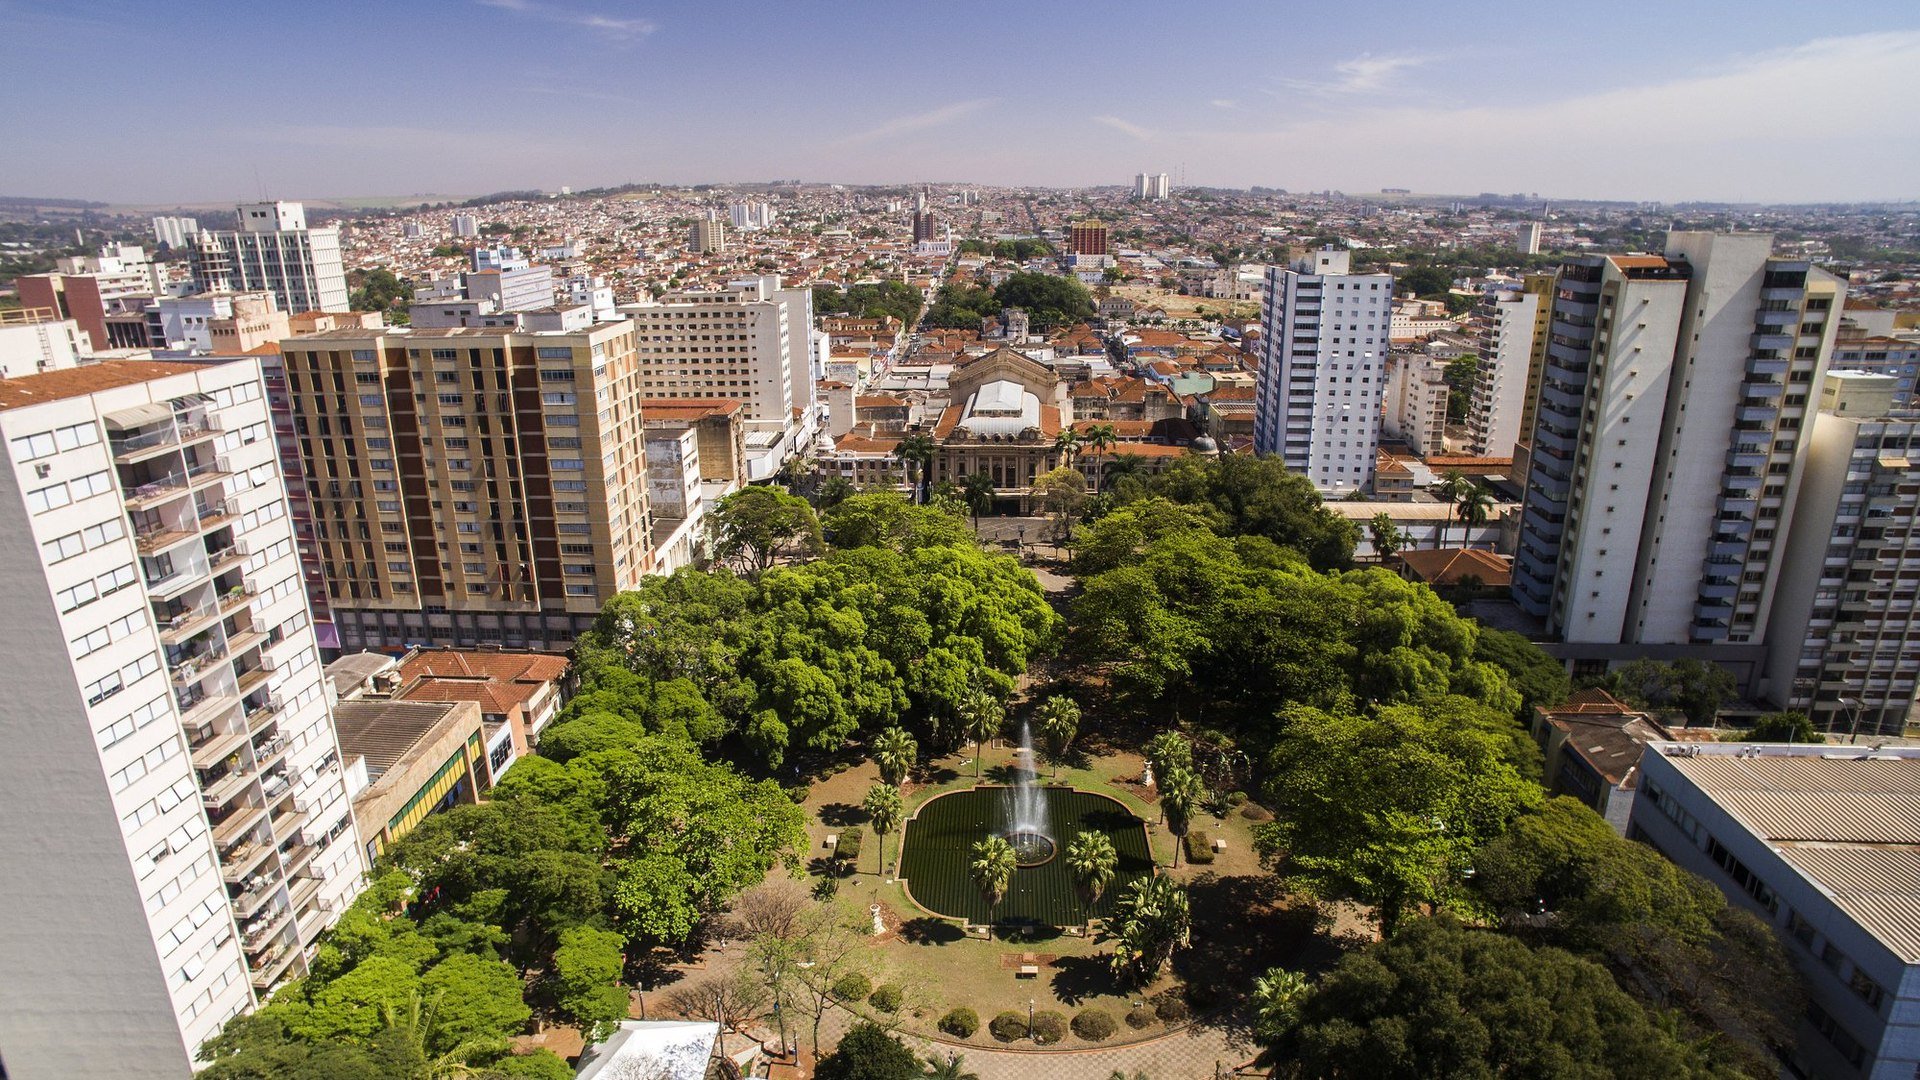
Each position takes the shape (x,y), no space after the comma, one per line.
(839,815)
(927,930)
(1025,931)
(1077,978)
(1245,924)
(936,775)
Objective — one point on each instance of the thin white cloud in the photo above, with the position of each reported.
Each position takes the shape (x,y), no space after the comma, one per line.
(1224,103)
(1713,133)
(907,125)
(1126,127)
(614,28)
(1364,74)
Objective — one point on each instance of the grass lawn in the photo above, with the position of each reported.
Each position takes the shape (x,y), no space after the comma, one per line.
(1242,925)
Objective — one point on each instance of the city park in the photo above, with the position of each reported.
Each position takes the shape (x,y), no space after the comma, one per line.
(1201,794)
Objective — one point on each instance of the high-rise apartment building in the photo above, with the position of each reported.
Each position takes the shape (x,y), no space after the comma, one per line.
(465,225)
(1512,357)
(273,251)
(1149,186)
(1882,354)
(1526,238)
(174,232)
(707,237)
(750,215)
(1844,641)
(750,341)
(1665,456)
(1414,404)
(178,826)
(107,304)
(1323,354)
(1087,238)
(471,486)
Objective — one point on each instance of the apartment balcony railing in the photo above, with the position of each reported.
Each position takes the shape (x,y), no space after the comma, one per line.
(191,668)
(151,538)
(236,865)
(154,491)
(227,557)
(150,443)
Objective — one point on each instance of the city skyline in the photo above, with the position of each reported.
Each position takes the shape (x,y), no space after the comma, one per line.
(1655,104)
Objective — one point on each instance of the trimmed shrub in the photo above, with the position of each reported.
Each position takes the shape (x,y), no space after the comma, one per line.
(1255,812)
(1142,1016)
(850,843)
(852,986)
(1170,1009)
(960,1023)
(885,997)
(1049,1027)
(1199,848)
(1009,1026)
(1094,1025)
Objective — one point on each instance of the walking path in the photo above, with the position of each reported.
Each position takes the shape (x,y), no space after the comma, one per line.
(1201,1052)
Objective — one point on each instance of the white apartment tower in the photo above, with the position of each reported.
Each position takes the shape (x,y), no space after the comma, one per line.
(1512,347)
(1844,641)
(174,232)
(175,825)
(273,251)
(1665,453)
(1415,407)
(1323,362)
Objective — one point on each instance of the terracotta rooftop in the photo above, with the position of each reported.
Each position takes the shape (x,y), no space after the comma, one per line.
(88,379)
(1446,566)
(687,408)
(498,681)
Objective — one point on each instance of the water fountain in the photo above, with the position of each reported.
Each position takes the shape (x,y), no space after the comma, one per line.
(1026,808)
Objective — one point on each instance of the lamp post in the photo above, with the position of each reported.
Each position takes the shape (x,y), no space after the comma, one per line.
(1029,1018)
(1853,705)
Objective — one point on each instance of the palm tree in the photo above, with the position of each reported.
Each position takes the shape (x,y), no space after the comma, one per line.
(417,1020)
(1067,445)
(992,871)
(1387,537)
(950,1069)
(1059,718)
(1151,917)
(916,458)
(978,490)
(884,809)
(1475,505)
(1180,792)
(1452,485)
(1121,467)
(1099,438)
(981,715)
(1093,861)
(1276,1003)
(894,751)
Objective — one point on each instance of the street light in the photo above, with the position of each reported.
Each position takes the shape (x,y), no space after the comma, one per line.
(1029,1018)
(1853,705)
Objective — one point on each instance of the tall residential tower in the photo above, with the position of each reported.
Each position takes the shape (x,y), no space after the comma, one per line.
(177,828)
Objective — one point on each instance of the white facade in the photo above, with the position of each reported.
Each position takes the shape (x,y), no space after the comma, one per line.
(1323,359)
(1526,238)
(1150,186)
(174,232)
(465,225)
(1666,452)
(31,342)
(1500,388)
(1415,407)
(274,251)
(1844,623)
(176,823)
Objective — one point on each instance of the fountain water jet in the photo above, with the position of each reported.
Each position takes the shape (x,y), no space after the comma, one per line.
(1026,809)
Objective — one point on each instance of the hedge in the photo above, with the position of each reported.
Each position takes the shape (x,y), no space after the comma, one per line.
(1142,1016)
(852,986)
(1009,1026)
(1094,1025)
(1199,848)
(885,997)
(960,1023)
(1049,1027)
(849,846)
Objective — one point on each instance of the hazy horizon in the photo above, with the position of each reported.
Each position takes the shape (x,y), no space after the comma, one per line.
(1737,103)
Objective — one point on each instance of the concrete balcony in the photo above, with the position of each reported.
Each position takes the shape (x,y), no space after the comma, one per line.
(237,865)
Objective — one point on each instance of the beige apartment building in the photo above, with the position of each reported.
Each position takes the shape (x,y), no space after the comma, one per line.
(472,486)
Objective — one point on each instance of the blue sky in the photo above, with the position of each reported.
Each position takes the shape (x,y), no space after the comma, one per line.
(196,101)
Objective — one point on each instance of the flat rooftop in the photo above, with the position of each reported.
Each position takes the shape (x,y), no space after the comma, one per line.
(86,379)
(385,731)
(1846,818)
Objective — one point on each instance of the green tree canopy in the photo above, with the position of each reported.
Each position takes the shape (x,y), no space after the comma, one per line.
(1441,1001)
(868,1052)
(1048,299)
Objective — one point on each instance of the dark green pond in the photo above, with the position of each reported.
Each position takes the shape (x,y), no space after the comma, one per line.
(940,841)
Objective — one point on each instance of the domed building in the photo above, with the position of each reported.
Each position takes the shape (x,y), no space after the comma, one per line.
(1004,420)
